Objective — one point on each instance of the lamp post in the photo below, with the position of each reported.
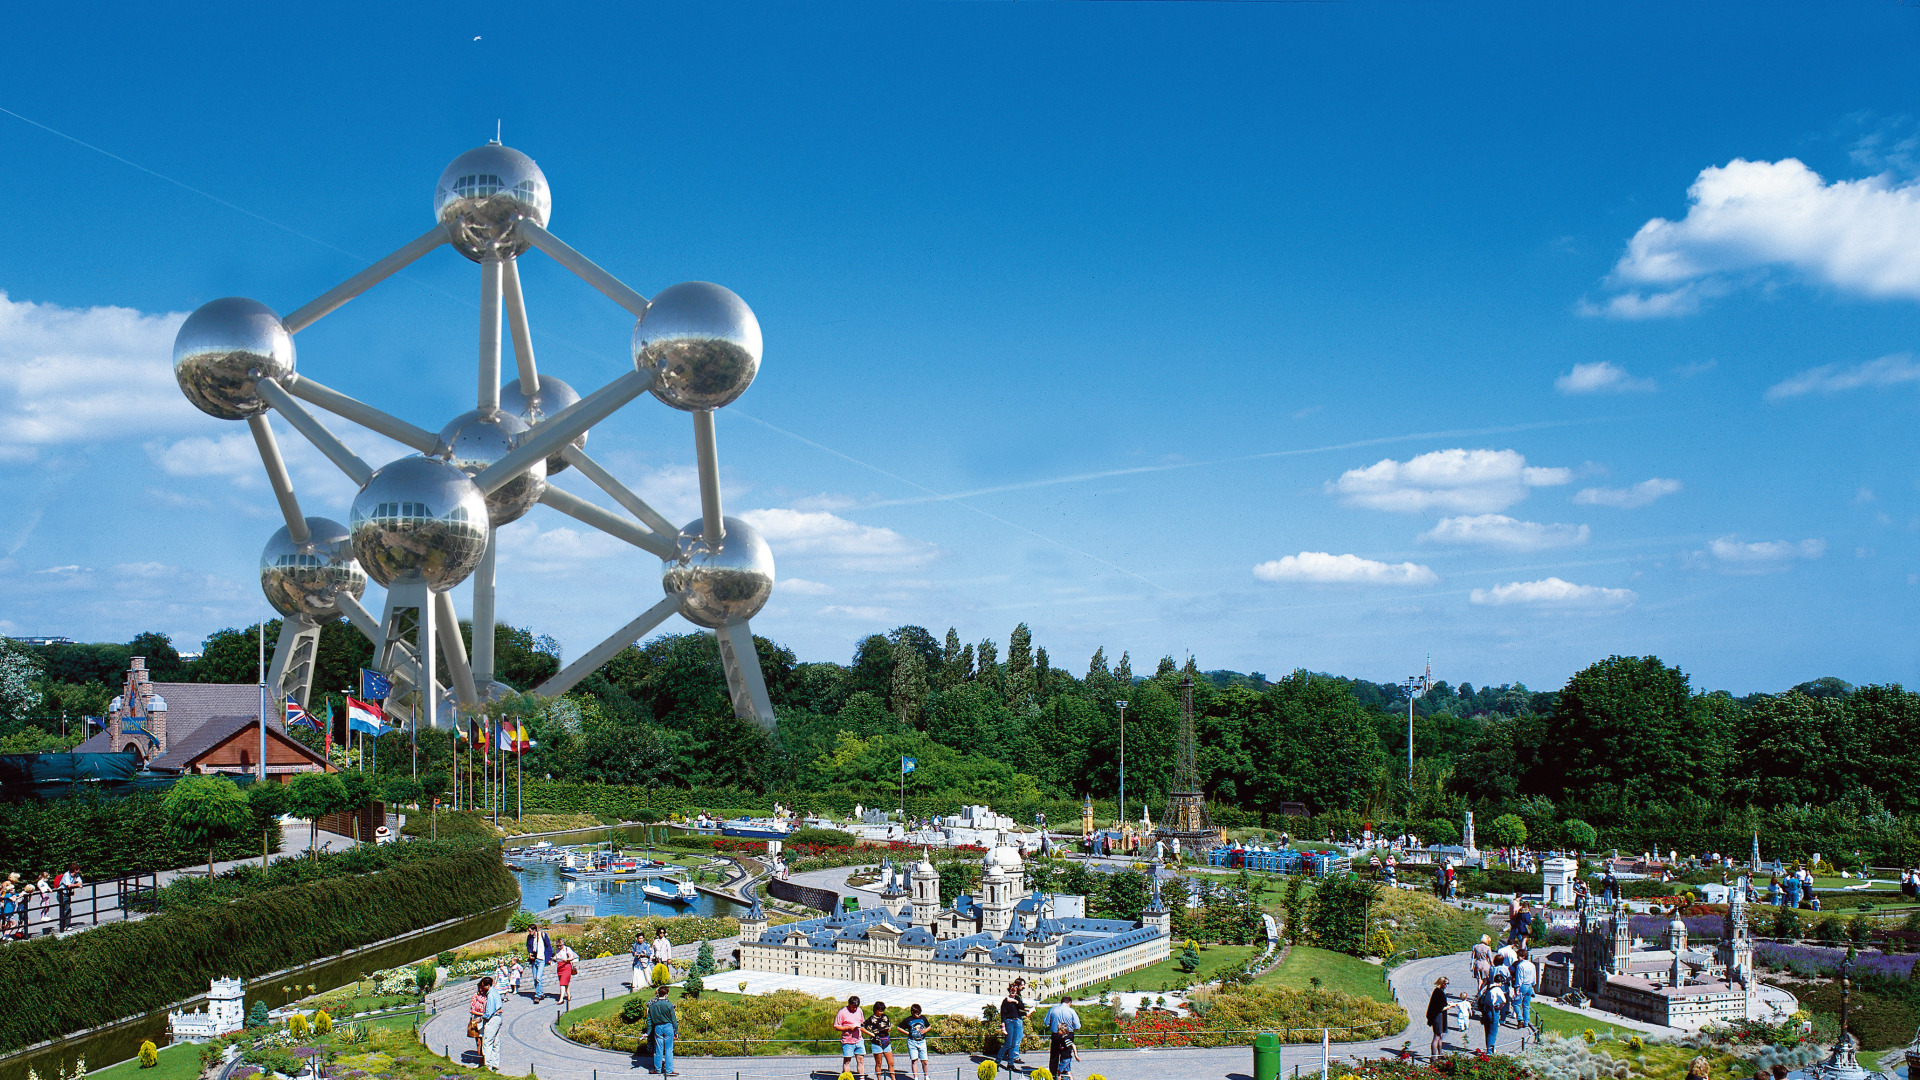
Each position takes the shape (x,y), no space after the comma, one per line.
(1123,762)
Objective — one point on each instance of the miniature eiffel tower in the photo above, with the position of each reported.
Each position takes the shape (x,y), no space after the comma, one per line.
(1186,818)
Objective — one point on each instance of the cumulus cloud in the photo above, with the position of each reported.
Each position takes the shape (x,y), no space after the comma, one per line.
(1501,531)
(803,587)
(1858,236)
(81,374)
(1551,592)
(1892,370)
(526,547)
(862,614)
(1601,378)
(1319,566)
(1759,557)
(1629,498)
(1462,481)
(845,544)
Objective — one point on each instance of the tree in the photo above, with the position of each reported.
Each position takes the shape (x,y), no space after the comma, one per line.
(952,671)
(268,803)
(986,662)
(908,691)
(1020,684)
(314,796)
(1580,835)
(1507,831)
(205,810)
(163,661)
(1337,914)
(403,792)
(18,694)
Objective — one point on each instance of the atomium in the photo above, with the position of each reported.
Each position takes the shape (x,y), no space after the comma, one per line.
(427,523)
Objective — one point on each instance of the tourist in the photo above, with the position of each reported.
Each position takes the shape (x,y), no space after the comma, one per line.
(1609,887)
(1760,1073)
(916,1025)
(539,952)
(64,885)
(1515,925)
(477,1021)
(850,1022)
(1061,1022)
(1524,976)
(9,903)
(1437,1015)
(491,1020)
(1013,1016)
(564,966)
(662,948)
(1780,1072)
(514,971)
(1581,894)
(1792,892)
(45,889)
(1482,962)
(642,959)
(880,1034)
(1493,1007)
(1393,871)
(660,1024)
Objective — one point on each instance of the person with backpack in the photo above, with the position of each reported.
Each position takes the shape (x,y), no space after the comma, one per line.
(1493,1007)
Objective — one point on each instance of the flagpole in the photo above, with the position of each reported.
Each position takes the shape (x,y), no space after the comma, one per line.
(263,700)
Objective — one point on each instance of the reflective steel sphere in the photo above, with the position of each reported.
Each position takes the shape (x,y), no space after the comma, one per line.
(419,519)
(223,348)
(714,586)
(305,579)
(480,194)
(552,396)
(702,344)
(472,441)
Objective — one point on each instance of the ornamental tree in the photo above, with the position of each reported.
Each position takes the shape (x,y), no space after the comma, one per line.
(204,810)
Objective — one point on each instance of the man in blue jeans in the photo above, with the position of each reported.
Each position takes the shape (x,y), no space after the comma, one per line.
(1013,1015)
(539,955)
(660,1020)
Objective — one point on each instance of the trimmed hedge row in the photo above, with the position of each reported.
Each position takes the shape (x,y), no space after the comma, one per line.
(107,836)
(56,986)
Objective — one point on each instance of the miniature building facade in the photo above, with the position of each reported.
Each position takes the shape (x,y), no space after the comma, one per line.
(225,1013)
(1674,985)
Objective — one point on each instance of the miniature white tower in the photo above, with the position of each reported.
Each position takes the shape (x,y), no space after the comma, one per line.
(926,892)
(1156,914)
(1466,835)
(226,1006)
(996,900)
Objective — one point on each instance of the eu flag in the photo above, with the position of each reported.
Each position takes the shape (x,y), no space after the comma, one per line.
(374,686)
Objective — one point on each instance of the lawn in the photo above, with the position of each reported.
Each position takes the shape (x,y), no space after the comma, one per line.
(180,1062)
(1562,1022)
(1166,974)
(1336,971)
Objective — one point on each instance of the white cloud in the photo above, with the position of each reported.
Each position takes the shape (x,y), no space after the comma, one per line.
(526,547)
(1640,494)
(84,374)
(1463,481)
(803,587)
(1551,592)
(1601,378)
(842,543)
(1891,370)
(1859,236)
(863,614)
(1760,557)
(1320,566)
(1501,531)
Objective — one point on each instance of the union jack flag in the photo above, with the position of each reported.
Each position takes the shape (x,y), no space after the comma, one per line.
(298,715)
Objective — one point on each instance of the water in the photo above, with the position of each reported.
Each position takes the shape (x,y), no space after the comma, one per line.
(541,881)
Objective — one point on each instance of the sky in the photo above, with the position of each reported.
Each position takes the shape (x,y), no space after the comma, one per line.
(1324,336)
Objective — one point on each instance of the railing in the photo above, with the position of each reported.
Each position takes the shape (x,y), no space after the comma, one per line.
(744,1046)
(115,900)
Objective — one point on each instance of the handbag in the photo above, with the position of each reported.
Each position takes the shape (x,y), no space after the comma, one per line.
(473,1027)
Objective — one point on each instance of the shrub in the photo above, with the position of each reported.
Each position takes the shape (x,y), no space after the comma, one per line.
(1507,830)
(322,1023)
(297,1023)
(522,922)
(108,835)
(634,1010)
(1580,834)
(149,1054)
(823,837)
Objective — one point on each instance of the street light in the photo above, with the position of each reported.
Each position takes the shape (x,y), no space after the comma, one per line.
(1123,762)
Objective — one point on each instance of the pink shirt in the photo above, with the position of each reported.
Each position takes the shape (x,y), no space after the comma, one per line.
(847,1022)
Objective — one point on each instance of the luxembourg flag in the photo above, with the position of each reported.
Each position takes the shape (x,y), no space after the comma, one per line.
(366,718)
(298,715)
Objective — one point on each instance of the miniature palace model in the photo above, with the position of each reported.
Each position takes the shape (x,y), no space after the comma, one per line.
(427,522)
(1674,986)
(977,946)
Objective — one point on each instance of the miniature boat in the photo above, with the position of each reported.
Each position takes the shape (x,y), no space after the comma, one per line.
(682,893)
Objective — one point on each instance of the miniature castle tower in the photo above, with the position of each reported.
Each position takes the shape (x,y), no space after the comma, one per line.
(1677,936)
(1466,835)
(1622,943)
(996,900)
(1736,943)
(225,1014)
(926,892)
(1156,914)
(753,923)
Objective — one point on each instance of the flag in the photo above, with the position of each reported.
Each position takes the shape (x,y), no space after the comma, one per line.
(374,686)
(513,736)
(329,722)
(480,737)
(366,718)
(298,715)
(907,764)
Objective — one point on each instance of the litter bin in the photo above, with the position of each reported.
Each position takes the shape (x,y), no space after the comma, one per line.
(1266,1056)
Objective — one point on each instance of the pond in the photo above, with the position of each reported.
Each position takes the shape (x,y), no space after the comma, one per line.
(541,881)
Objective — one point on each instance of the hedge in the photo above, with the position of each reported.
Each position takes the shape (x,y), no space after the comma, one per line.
(59,985)
(107,837)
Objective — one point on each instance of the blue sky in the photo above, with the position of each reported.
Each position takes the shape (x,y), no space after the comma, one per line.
(1323,336)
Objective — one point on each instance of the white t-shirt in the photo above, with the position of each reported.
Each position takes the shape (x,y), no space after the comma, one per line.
(1523,975)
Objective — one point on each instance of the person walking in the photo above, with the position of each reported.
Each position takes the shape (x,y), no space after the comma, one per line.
(477,1021)
(1437,1007)
(1609,887)
(1524,977)
(539,953)
(565,963)
(1793,890)
(1061,1022)
(916,1025)
(1013,1017)
(642,960)
(880,1034)
(850,1022)
(1493,1007)
(1482,961)
(514,971)
(661,1023)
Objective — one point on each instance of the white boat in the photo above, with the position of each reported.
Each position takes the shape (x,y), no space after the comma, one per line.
(682,893)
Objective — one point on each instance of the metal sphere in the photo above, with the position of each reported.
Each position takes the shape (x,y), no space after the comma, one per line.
(714,586)
(482,192)
(702,344)
(307,579)
(419,520)
(474,440)
(552,397)
(223,349)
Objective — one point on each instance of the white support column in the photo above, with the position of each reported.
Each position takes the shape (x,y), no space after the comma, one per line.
(317,434)
(522,335)
(583,268)
(364,280)
(563,427)
(360,617)
(590,661)
(490,274)
(278,479)
(706,450)
(483,618)
(454,650)
(745,683)
(291,673)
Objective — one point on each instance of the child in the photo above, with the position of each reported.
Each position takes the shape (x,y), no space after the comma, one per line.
(916,1026)
(880,1034)
(513,974)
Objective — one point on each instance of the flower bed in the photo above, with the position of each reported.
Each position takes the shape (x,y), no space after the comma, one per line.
(1811,960)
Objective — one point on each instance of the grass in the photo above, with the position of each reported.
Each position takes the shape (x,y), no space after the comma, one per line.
(611,1006)
(181,1062)
(1562,1022)
(1166,974)
(1336,971)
